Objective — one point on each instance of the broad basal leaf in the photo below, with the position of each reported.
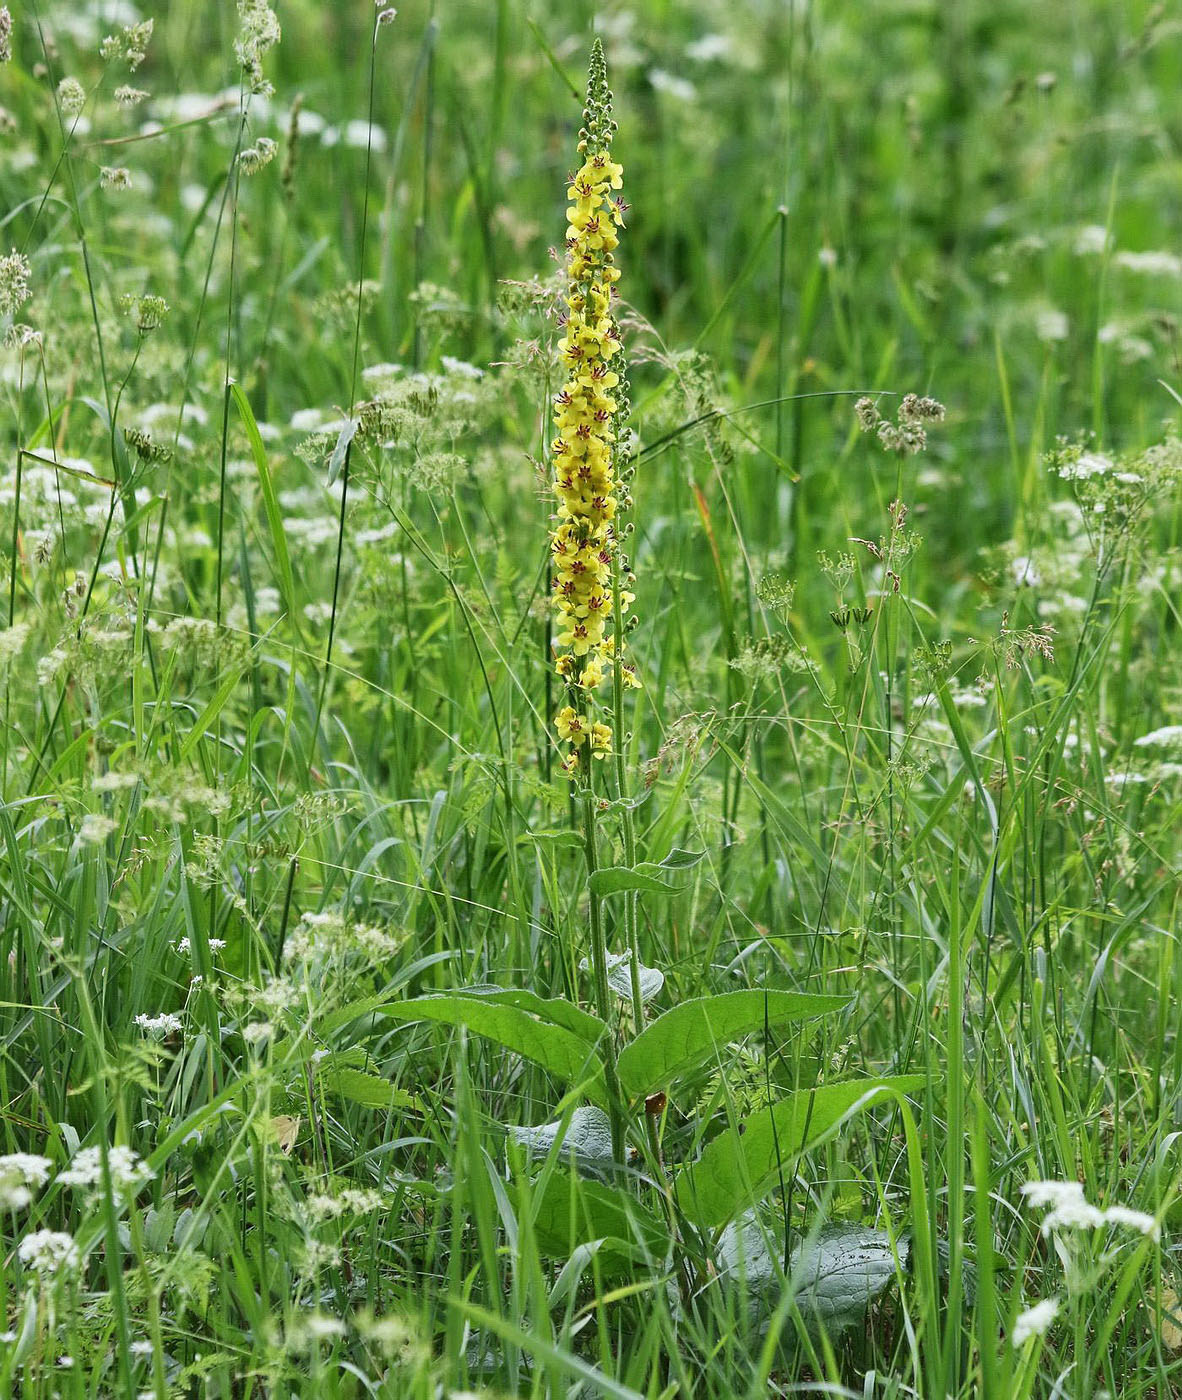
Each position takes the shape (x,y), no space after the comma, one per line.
(557,1009)
(588,1137)
(833,1277)
(569,1212)
(553,1047)
(697,1030)
(739,1167)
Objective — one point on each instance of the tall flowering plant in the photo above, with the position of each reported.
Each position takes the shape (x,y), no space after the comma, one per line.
(588,601)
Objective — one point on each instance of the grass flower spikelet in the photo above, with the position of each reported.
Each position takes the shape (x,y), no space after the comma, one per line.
(593,401)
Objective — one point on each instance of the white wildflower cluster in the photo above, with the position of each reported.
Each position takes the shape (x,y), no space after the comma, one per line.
(184,945)
(259,32)
(1069,1209)
(329,935)
(1118,489)
(127,96)
(149,311)
(680,89)
(94,829)
(5,35)
(115,177)
(351,1201)
(1085,466)
(49,1252)
(21,1173)
(314,1327)
(1150,264)
(1051,324)
(1034,1322)
(395,1337)
(1168,737)
(14,283)
(164,1024)
(128,1171)
(12,641)
(1091,240)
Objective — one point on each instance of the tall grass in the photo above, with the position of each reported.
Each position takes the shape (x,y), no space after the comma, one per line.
(277,751)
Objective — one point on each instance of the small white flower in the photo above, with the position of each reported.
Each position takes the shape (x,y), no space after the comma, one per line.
(1092,238)
(672,86)
(20,1174)
(95,828)
(164,1024)
(1034,1321)
(71,96)
(1152,264)
(1051,324)
(1024,572)
(1167,738)
(708,47)
(128,1171)
(1073,1215)
(1088,464)
(460,367)
(49,1252)
(14,282)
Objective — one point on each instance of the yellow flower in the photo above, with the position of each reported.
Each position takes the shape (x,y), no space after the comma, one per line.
(583,541)
(570,726)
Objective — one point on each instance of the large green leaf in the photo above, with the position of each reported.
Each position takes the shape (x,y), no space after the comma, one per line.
(649,877)
(696,1030)
(570,1211)
(834,1276)
(556,1009)
(585,1136)
(613,878)
(743,1164)
(553,1047)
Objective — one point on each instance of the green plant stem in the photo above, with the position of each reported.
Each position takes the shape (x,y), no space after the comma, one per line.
(602,990)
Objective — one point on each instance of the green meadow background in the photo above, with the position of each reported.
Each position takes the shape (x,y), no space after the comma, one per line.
(277,750)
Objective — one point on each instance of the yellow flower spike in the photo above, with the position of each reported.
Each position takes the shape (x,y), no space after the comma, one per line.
(584,453)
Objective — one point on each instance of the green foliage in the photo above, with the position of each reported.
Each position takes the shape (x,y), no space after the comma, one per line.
(276,757)
(746,1161)
(683,1037)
